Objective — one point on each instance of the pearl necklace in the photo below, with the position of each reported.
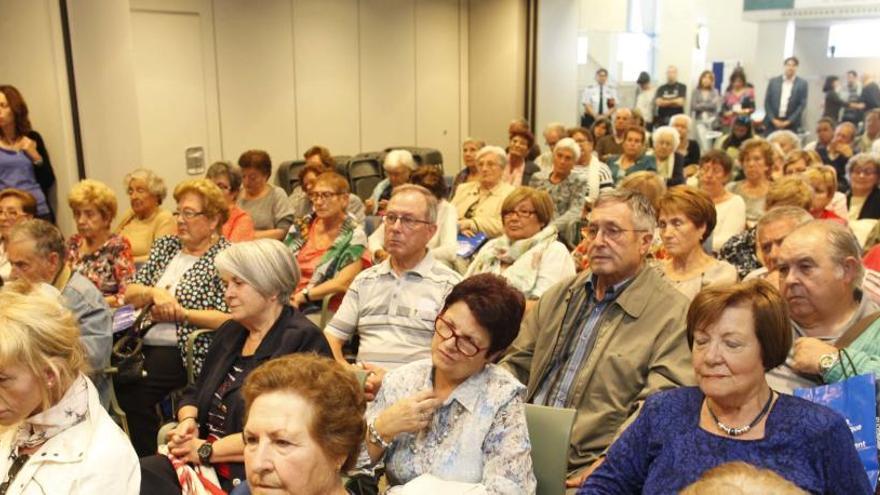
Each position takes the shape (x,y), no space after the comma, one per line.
(736,431)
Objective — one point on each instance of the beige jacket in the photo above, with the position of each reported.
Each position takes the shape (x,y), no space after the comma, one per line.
(640,348)
(487,211)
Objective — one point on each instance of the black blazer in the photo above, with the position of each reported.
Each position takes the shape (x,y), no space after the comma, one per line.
(871,208)
(530,169)
(291,333)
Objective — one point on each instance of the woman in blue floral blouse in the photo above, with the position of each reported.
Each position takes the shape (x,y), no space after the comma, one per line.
(184,291)
(457,416)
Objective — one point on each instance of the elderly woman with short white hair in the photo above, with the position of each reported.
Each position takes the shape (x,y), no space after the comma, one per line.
(398,165)
(670,165)
(689,149)
(787,140)
(56,437)
(145,221)
(260,276)
(568,190)
(479,203)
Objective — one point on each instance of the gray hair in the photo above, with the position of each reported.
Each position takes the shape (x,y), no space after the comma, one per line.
(861,160)
(431,203)
(495,150)
(785,135)
(399,158)
(841,244)
(555,127)
(666,130)
(643,215)
(155,184)
(569,144)
(47,238)
(797,215)
(681,116)
(267,265)
(226,169)
(479,142)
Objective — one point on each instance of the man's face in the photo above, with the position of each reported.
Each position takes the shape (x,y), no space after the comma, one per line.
(29,264)
(812,283)
(852,79)
(601,77)
(844,134)
(616,250)
(872,124)
(824,132)
(770,237)
(551,137)
(790,69)
(672,74)
(403,241)
(622,119)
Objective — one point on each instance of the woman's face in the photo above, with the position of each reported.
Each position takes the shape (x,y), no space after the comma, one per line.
(727,356)
(664,145)
(822,197)
(864,177)
(6,115)
(522,222)
(489,166)
(143,202)
(253,181)
(707,81)
(796,167)
(309,181)
(225,185)
(563,161)
(681,126)
(755,166)
(740,131)
(679,234)
(193,225)
(280,455)
(586,147)
(90,222)
(712,177)
(245,303)
(519,146)
(448,358)
(11,213)
(20,393)
(469,155)
(327,202)
(398,175)
(632,144)
(600,130)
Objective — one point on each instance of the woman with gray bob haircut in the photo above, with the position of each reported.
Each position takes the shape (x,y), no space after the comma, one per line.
(260,276)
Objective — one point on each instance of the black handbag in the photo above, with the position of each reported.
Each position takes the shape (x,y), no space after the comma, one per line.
(128,355)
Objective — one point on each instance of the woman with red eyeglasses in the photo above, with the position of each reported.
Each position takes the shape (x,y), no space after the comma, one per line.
(457,416)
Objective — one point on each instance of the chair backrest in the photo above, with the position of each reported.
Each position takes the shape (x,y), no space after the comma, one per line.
(549,433)
(287,175)
(364,172)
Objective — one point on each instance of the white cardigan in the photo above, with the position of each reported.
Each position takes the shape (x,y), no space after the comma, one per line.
(93,457)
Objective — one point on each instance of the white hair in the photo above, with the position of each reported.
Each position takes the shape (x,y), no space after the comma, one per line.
(681,116)
(668,130)
(155,184)
(569,144)
(555,126)
(785,135)
(399,158)
(267,265)
(494,150)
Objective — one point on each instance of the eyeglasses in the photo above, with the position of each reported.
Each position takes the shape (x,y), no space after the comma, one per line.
(323,196)
(407,222)
(188,214)
(10,213)
(464,344)
(611,232)
(866,172)
(518,213)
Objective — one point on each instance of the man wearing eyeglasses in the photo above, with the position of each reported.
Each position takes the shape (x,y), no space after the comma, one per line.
(605,340)
(392,306)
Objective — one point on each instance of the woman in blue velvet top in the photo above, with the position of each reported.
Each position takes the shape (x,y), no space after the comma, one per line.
(736,333)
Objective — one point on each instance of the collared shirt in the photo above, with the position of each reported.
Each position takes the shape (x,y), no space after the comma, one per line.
(554,391)
(394,314)
(785,379)
(787,86)
(591,96)
(478,434)
(514,176)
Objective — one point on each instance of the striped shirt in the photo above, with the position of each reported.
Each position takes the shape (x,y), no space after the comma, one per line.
(394,314)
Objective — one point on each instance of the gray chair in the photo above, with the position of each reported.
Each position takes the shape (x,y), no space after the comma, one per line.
(549,433)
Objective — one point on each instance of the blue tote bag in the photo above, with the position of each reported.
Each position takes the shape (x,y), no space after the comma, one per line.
(855,398)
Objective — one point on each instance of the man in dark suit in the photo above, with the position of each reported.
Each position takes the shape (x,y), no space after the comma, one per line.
(786,99)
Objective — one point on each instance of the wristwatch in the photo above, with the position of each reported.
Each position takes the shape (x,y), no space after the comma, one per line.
(826,362)
(206,450)
(305,294)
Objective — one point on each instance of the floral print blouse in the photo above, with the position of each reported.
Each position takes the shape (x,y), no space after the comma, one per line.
(109,267)
(478,435)
(200,288)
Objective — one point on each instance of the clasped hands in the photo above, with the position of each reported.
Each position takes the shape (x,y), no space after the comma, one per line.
(165,307)
(183,441)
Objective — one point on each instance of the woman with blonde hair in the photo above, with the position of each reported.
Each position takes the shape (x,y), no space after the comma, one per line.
(95,251)
(56,436)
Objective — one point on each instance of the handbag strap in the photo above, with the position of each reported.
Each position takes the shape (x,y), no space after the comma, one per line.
(856,330)
(137,329)
(841,354)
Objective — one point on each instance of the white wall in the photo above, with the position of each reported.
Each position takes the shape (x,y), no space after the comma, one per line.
(556,85)
(34,63)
